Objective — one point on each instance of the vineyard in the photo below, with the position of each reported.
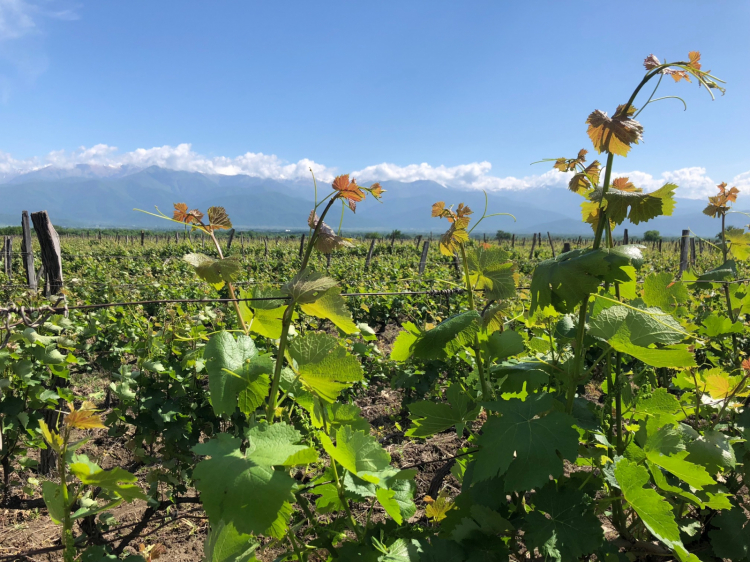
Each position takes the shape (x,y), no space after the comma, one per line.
(193,396)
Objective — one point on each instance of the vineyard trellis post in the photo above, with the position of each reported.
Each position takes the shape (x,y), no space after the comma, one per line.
(513,241)
(684,251)
(566,247)
(533,245)
(625,237)
(49,241)
(229,242)
(692,252)
(419,239)
(551,245)
(301,246)
(423,259)
(143,238)
(27,251)
(369,254)
(8,256)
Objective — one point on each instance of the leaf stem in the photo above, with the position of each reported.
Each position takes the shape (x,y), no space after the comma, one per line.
(486,393)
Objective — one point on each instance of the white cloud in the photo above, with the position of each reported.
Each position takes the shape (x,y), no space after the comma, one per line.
(693,183)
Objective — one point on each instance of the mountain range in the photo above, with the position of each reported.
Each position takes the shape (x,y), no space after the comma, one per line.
(89,196)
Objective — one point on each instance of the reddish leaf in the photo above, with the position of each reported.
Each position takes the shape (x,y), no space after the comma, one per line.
(348,190)
(651,62)
(624,184)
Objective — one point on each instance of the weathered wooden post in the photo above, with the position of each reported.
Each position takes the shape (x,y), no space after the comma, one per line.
(423,259)
(49,241)
(513,241)
(301,245)
(566,247)
(551,245)
(27,251)
(328,261)
(369,253)
(393,239)
(143,238)
(684,251)
(625,237)
(265,246)
(419,239)
(176,237)
(692,252)
(231,237)
(8,256)
(533,244)
(456,264)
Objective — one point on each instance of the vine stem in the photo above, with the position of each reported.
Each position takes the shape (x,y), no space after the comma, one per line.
(477,352)
(230,286)
(286,321)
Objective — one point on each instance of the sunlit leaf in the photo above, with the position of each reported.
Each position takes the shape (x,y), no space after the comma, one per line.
(212,270)
(617,134)
(182,214)
(83,418)
(348,190)
(491,271)
(326,240)
(218,218)
(307,286)
(587,179)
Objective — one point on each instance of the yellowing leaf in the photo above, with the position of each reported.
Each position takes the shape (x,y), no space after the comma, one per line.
(583,181)
(54,440)
(83,419)
(615,135)
(719,204)
(437,509)
(326,240)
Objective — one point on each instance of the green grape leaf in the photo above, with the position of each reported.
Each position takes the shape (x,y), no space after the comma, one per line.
(646,326)
(218,218)
(666,450)
(727,270)
(236,372)
(401,350)
(263,317)
(53,499)
(660,403)
(565,281)
(225,544)
(308,286)
(323,365)
(357,452)
(523,443)
(386,499)
(513,375)
(242,488)
(715,325)
(655,512)
(402,550)
(660,290)
(115,480)
(672,356)
(448,337)
(713,451)
(637,207)
(430,418)
(570,528)
(212,270)
(501,345)
(331,305)
(739,243)
(491,271)
(730,539)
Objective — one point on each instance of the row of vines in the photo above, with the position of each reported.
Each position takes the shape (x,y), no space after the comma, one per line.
(596,399)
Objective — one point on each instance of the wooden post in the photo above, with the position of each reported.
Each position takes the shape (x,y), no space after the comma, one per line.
(566,247)
(176,237)
(265,246)
(625,237)
(551,245)
(301,245)
(660,246)
(27,251)
(513,241)
(49,241)
(393,239)
(8,256)
(369,253)
(143,238)
(692,251)
(684,241)
(231,237)
(423,259)
(100,236)
(328,261)
(419,239)
(484,237)
(533,244)
(456,265)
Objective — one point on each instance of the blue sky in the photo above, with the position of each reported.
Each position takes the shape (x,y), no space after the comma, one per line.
(352,86)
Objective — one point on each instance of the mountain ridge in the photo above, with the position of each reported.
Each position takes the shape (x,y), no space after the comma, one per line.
(88,196)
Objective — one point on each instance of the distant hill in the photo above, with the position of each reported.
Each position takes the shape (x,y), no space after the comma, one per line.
(88,196)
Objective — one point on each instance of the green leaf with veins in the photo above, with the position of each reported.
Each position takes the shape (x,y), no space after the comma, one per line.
(568,279)
(448,337)
(357,452)
(655,512)
(115,480)
(660,290)
(331,305)
(739,243)
(646,326)
(324,366)
(308,286)
(523,442)
(243,488)
(401,350)
(491,271)
(430,418)
(212,270)
(513,375)
(727,270)
(501,345)
(637,207)
(225,544)
(665,449)
(563,525)
(672,356)
(236,372)
(263,317)
(712,450)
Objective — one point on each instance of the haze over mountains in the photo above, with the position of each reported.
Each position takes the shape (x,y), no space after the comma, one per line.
(89,196)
